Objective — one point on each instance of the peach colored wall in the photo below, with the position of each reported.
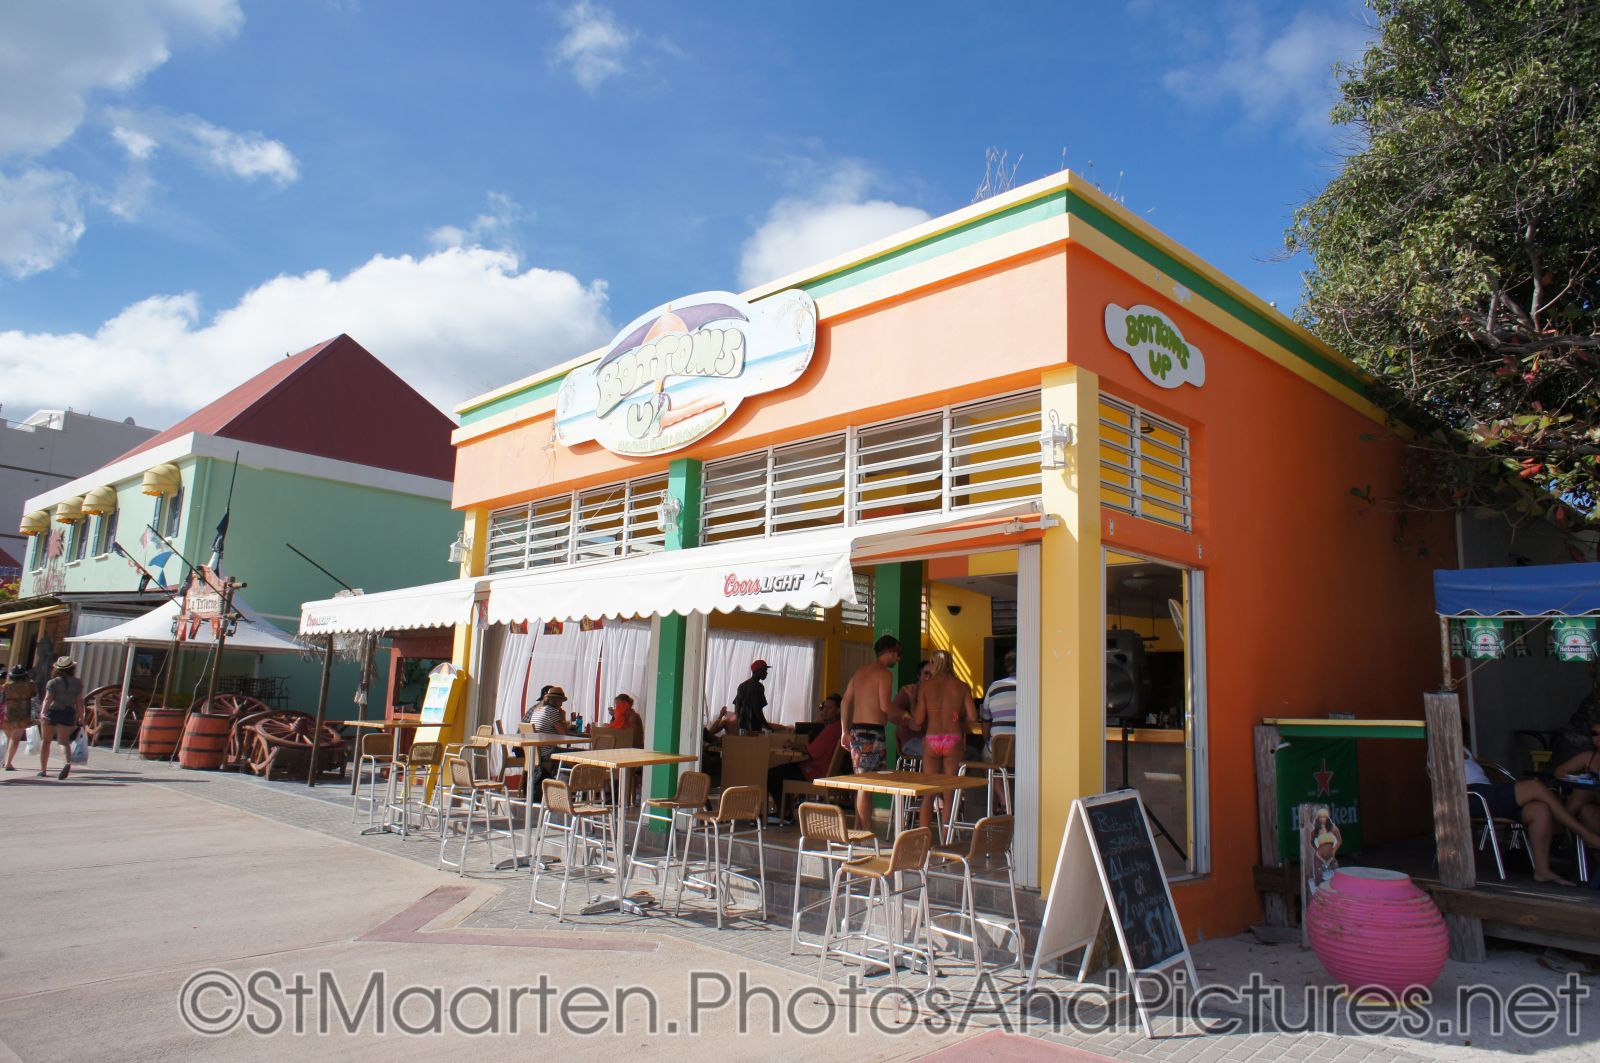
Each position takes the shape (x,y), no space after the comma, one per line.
(990,332)
(1311,604)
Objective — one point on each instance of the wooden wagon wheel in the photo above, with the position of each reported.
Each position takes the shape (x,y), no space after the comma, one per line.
(241,739)
(234,705)
(287,737)
(100,717)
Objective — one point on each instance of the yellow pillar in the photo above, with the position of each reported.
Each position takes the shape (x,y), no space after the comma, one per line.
(462,649)
(1071,641)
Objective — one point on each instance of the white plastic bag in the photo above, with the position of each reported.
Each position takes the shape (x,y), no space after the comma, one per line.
(78,752)
(30,744)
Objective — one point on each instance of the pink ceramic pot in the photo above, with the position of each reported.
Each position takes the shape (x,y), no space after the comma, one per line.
(1372,927)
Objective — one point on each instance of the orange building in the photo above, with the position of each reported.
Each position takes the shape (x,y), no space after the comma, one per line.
(1035,425)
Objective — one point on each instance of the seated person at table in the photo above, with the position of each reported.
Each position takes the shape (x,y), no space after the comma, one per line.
(819,752)
(725,722)
(624,718)
(548,717)
(902,709)
(1585,804)
(944,708)
(1533,803)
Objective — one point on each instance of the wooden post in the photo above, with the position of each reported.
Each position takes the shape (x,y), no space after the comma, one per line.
(1452,827)
(1275,910)
(322,706)
(1303,818)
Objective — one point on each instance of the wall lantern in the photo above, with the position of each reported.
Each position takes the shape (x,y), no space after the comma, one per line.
(1053,443)
(163,480)
(671,510)
(461,549)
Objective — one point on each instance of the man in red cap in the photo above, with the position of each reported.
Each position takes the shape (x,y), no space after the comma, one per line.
(750,701)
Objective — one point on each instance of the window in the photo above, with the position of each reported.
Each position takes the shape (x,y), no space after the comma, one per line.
(1144,464)
(36,548)
(105,533)
(791,488)
(861,612)
(174,514)
(77,538)
(602,522)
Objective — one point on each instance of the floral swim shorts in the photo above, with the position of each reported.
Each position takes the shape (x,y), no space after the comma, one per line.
(867,746)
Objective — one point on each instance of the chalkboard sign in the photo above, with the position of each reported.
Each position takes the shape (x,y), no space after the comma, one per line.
(1108,862)
(1137,883)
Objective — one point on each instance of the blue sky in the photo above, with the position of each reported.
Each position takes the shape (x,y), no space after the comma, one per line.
(192,188)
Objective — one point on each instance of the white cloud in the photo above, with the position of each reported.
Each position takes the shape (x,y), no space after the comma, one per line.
(489,229)
(244,155)
(833,217)
(41,220)
(595,46)
(55,55)
(1286,76)
(454,323)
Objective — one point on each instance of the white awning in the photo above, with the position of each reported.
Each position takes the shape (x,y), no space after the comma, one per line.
(433,605)
(253,635)
(797,570)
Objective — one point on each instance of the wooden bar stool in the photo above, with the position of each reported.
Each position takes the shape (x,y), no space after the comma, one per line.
(882,875)
(824,824)
(990,849)
(737,805)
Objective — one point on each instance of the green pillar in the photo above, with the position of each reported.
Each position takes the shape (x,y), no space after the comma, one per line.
(897,611)
(683,484)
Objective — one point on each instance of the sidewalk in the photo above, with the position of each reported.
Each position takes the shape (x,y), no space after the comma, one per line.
(139,874)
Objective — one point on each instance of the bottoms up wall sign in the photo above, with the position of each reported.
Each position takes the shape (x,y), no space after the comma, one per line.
(1109,864)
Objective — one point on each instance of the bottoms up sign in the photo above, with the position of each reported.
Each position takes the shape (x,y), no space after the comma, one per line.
(1109,865)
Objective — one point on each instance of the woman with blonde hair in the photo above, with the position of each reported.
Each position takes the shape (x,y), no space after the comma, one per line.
(944,710)
(61,714)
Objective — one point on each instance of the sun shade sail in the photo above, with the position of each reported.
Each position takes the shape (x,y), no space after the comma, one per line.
(1527,590)
(795,571)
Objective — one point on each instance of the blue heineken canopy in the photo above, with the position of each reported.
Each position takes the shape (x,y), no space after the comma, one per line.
(1528,590)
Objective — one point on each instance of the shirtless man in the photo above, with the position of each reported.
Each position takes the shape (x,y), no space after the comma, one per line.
(944,709)
(865,708)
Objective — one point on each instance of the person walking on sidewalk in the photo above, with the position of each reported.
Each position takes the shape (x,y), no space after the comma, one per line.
(61,714)
(19,694)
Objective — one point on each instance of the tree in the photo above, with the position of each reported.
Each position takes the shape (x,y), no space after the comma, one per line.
(1456,255)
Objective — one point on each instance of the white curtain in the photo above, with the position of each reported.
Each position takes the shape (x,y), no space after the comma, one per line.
(625,668)
(558,660)
(593,667)
(791,677)
(511,681)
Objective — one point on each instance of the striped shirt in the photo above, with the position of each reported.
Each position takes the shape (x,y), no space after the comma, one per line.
(1000,705)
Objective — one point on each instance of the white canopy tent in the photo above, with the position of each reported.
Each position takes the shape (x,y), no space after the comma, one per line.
(157,628)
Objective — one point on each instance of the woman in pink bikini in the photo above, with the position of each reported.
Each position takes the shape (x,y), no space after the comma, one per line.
(944,709)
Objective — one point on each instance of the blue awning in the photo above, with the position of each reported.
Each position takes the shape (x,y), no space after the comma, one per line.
(1527,590)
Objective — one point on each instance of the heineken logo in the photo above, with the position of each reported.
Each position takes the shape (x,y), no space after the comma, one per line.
(1156,346)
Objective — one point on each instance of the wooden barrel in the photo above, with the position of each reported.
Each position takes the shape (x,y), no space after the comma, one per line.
(159,733)
(205,741)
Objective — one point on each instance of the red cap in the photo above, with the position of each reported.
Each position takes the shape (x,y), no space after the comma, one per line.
(757,665)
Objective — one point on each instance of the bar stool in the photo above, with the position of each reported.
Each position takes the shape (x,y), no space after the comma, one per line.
(468,748)
(990,848)
(825,824)
(370,756)
(693,786)
(473,797)
(738,804)
(1000,767)
(583,827)
(908,857)
(412,770)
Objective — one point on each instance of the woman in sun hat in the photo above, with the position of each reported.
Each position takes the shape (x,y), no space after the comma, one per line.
(19,695)
(61,714)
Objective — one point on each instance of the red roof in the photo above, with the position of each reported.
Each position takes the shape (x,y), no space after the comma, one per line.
(334,400)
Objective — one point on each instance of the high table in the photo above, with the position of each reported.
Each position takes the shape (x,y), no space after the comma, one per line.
(392,725)
(617,762)
(900,785)
(528,743)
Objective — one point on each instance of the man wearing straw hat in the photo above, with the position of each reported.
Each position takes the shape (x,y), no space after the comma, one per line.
(60,715)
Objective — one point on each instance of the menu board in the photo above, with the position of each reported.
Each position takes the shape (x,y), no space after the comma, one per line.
(1108,863)
(1137,884)
(441,682)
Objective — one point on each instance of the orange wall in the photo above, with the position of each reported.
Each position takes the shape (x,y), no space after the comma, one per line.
(992,332)
(1311,605)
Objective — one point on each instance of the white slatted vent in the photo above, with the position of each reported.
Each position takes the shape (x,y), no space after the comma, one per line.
(1144,464)
(593,525)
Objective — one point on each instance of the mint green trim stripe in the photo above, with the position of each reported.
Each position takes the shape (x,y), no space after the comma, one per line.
(1203,286)
(543,389)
